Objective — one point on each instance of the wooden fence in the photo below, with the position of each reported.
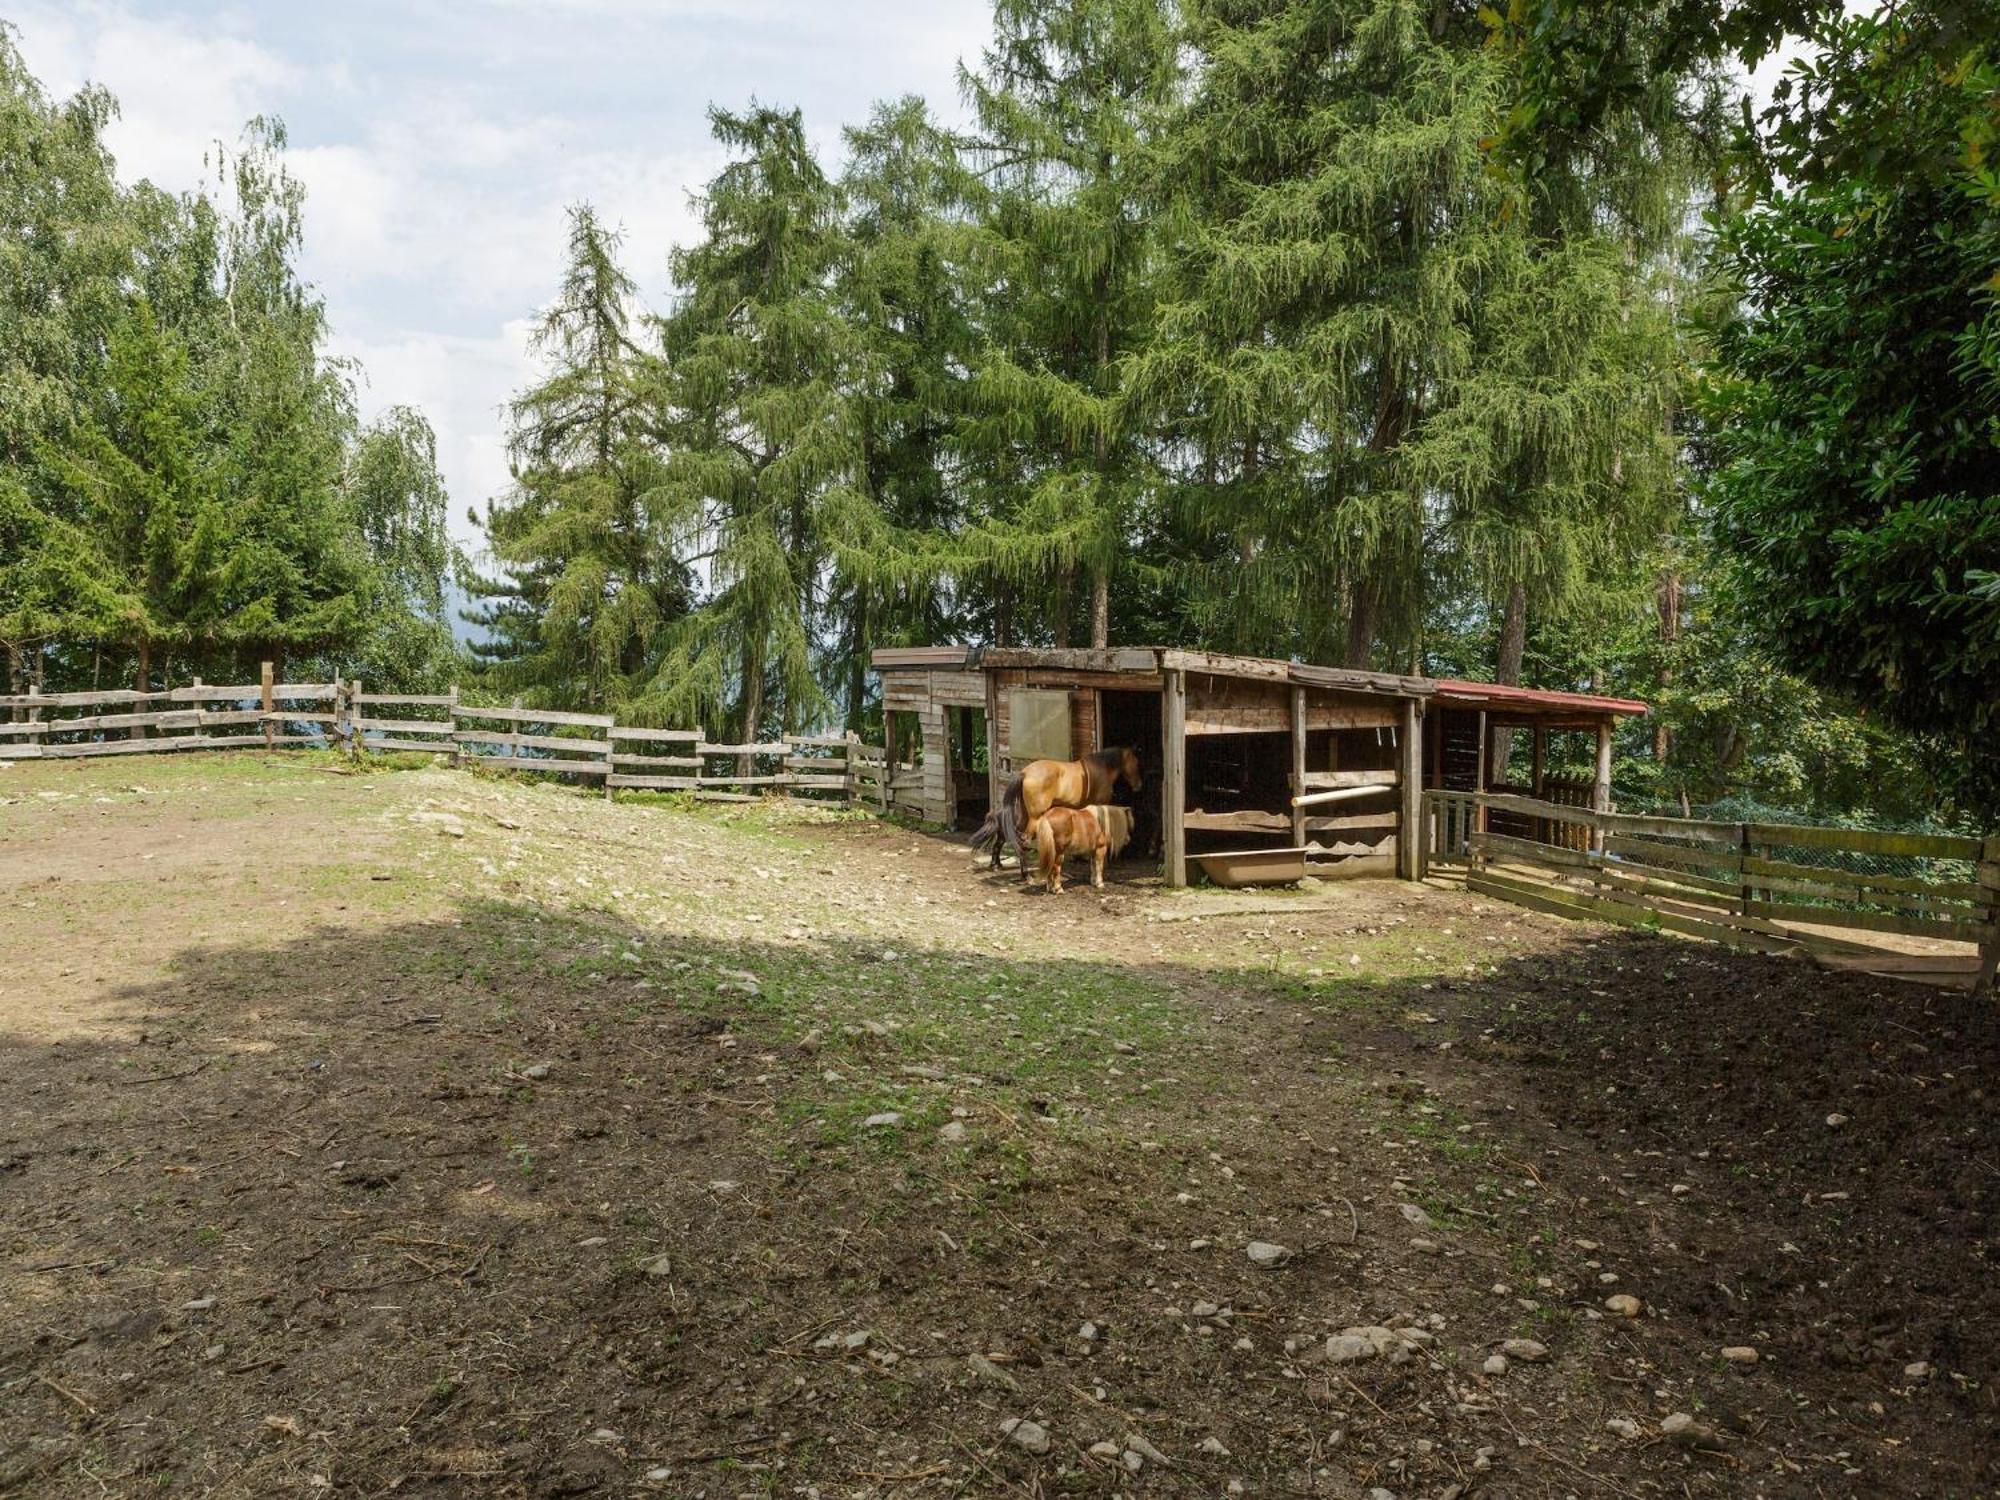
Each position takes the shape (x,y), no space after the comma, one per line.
(1772,886)
(342,715)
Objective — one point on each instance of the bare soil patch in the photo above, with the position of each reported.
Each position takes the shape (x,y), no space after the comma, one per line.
(459,1137)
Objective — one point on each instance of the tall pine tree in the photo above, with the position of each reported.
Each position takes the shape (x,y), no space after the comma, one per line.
(591,582)
(765,450)
(1068,95)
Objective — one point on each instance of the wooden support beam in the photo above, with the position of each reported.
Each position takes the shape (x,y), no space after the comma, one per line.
(1541,744)
(267,681)
(1479,776)
(1336,794)
(1173,783)
(1600,792)
(1410,841)
(1298,764)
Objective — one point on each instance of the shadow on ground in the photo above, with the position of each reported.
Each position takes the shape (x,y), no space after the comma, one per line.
(538,1203)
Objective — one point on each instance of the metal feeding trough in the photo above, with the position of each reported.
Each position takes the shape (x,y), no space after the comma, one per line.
(1240,867)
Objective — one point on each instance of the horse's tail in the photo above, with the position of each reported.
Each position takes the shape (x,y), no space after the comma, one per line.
(992,831)
(1014,801)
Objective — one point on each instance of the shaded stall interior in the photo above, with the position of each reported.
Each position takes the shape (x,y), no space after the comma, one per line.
(1552,746)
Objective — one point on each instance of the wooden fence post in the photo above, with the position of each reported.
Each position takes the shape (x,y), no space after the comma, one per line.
(1173,784)
(266,702)
(354,710)
(1298,764)
(1410,840)
(1744,850)
(1600,793)
(1989,950)
(451,714)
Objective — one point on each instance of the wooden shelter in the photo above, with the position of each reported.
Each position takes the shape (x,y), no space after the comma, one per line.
(1227,743)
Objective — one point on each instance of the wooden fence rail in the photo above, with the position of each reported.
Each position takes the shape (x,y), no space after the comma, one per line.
(1770,886)
(341,715)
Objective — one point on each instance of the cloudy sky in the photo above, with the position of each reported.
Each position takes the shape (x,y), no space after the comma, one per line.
(441,142)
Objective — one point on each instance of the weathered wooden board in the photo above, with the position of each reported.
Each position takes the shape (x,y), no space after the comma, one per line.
(1856,880)
(390,742)
(1566,903)
(1824,916)
(1965,908)
(680,762)
(532,763)
(404,726)
(1866,841)
(89,700)
(534,716)
(593,748)
(774,747)
(624,732)
(655,783)
(1334,780)
(414,700)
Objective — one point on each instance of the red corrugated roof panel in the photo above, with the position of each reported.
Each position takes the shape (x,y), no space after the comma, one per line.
(1457,690)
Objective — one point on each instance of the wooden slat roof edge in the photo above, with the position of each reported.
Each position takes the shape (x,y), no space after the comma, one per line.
(1152,659)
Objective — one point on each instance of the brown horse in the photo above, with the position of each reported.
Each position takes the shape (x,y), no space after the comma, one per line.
(1065,831)
(1075,783)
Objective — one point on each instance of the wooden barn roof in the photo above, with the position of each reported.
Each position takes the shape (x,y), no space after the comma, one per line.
(1146,661)
(1149,661)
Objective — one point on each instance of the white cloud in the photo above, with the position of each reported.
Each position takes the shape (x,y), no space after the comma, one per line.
(440,147)
(179,91)
(463,385)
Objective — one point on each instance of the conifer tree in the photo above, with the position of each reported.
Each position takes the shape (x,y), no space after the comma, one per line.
(1067,97)
(146,488)
(764,448)
(900,286)
(1334,221)
(583,535)
(65,258)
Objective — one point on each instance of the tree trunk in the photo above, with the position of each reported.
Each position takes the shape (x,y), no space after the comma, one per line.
(1361,627)
(1059,627)
(1100,608)
(1003,613)
(857,672)
(1670,631)
(753,700)
(1507,667)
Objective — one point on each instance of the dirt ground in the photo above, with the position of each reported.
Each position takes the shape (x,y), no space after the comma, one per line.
(424,1134)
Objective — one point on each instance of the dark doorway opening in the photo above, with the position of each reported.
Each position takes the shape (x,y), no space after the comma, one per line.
(970,795)
(1134,719)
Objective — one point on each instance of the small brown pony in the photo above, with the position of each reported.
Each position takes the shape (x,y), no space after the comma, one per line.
(1062,832)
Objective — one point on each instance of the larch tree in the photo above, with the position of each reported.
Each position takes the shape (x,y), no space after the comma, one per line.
(765,450)
(1068,95)
(900,285)
(584,533)
(1334,225)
